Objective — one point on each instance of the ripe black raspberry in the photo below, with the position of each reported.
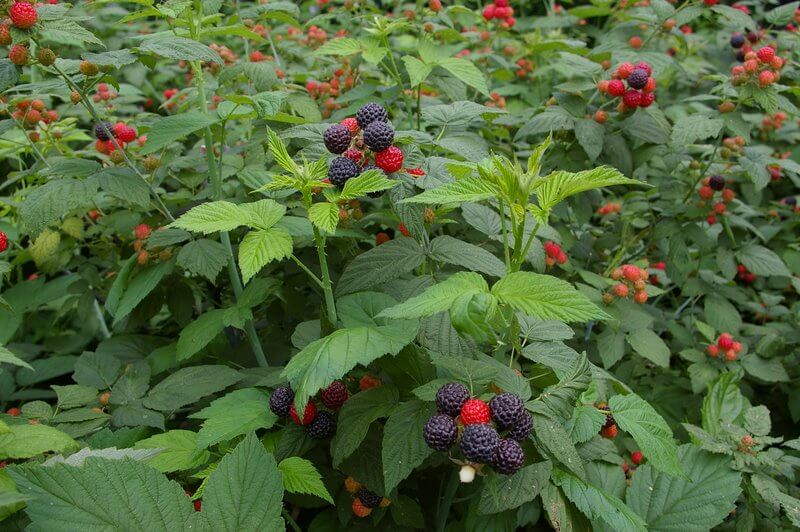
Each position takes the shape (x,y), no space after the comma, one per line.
(609,421)
(522,428)
(100,132)
(737,40)
(509,457)
(479,443)
(638,78)
(337,138)
(281,400)
(378,136)
(506,408)
(369,498)
(440,432)
(716,182)
(451,397)
(335,395)
(370,113)
(323,426)
(340,170)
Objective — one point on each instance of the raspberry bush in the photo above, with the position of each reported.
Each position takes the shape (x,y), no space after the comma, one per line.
(358,264)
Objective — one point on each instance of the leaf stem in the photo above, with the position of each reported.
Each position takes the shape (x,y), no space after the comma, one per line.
(307,270)
(327,286)
(505,235)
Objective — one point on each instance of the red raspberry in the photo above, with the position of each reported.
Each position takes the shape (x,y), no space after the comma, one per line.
(13,412)
(5,35)
(552,249)
(624,70)
(401,227)
(353,154)
(381,238)
(711,219)
(501,3)
(645,66)
(489,12)
(141,231)
(766,54)
(706,193)
(18,54)
(725,341)
(650,86)
(359,510)
(766,78)
(389,160)
(475,412)
(416,172)
(609,432)
(3,241)
(616,88)
(127,134)
(712,350)
(647,99)
(621,290)
(637,457)
(351,124)
(23,15)
(632,98)
(308,416)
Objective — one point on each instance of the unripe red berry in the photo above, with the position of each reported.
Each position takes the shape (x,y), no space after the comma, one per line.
(475,412)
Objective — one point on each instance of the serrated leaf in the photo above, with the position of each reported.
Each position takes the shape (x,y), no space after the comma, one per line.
(7,357)
(417,70)
(259,248)
(466,71)
(438,297)
(139,288)
(468,189)
(325,216)
(213,217)
(762,261)
(649,345)
(180,48)
(239,412)
(453,251)
(590,136)
(355,417)
(502,492)
(403,446)
(560,185)
(54,199)
(178,451)
(365,183)
(187,385)
(554,439)
(202,257)
(300,476)
(691,128)
(25,441)
(164,131)
(380,264)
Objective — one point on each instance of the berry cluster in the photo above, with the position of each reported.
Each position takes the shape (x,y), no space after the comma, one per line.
(629,276)
(609,430)
(772,123)
(495,100)
(32,113)
(500,10)
(480,441)
(103,93)
(732,146)
(725,345)
(641,86)
(743,44)
(712,185)
(320,424)
(525,68)
(365,500)
(554,254)
(629,469)
(745,275)
(762,66)
(169,97)
(369,130)
(612,207)
(123,134)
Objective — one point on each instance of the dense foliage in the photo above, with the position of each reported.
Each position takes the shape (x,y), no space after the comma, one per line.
(399,265)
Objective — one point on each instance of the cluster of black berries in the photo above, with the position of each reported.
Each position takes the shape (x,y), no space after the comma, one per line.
(319,424)
(350,139)
(480,441)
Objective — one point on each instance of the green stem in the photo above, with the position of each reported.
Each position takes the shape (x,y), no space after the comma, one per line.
(327,286)
(307,270)
(521,258)
(704,170)
(419,108)
(505,235)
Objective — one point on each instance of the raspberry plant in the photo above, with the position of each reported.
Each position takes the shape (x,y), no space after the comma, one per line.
(333,265)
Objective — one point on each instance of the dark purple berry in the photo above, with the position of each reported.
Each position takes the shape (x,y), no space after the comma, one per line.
(378,136)
(281,400)
(440,432)
(638,78)
(370,113)
(340,170)
(506,409)
(451,397)
(609,421)
(522,428)
(337,138)
(737,40)
(479,443)
(716,182)
(323,426)
(369,498)
(791,201)
(335,395)
(101,133)
(509,457)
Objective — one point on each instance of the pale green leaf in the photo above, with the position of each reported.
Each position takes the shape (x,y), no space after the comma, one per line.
(178,451)
(259,248)
(213,217)
(300,476)
(438,297)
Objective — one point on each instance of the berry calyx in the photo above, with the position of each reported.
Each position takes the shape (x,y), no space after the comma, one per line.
(475,412)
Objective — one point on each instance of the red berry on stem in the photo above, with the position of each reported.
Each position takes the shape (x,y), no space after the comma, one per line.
(475,412)
(389,160)
(23,15)
(637,457)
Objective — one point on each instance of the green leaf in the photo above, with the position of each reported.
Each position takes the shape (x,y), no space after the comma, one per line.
(380,264)
(560,185)
(180,48)
(74,395)
(202,257)
(25,441)
(466,71)
(782,15)
(278,150)
(554,439)
(768,370)
(635,416)
(103,495)
(417,70)
(325,216)
(404,449)
(7,357)
(259,248)
(140,287)
(123,183)
(447,249)
(66,30)
(586,422)
(545,297)
(439,297)
(245,491)
(469,189)
(178,451)
(590,136)
(694,127)
(187,385)
(724,403)
(762,261)
(164,131)
(213,217)
(502,493)
(200,332)
(263,213)
(700,503)
(365,183)
(597,504)
(340,46)
(356,416)
(300,476)
(54,199)
(649,345)
(771,491)
(561,398)
(267,104)
(232,415)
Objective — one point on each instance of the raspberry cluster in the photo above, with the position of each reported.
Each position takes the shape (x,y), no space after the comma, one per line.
(611,207)
(641,86)
(554,254)
(629,469)
(342,80)
(319,424)
(712,185)
(358,140)
(123,133)
(33,115)
(480,441)
(745,275)
(762,67)
(630,277)
(727,346)
(500,10)
(609,430)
